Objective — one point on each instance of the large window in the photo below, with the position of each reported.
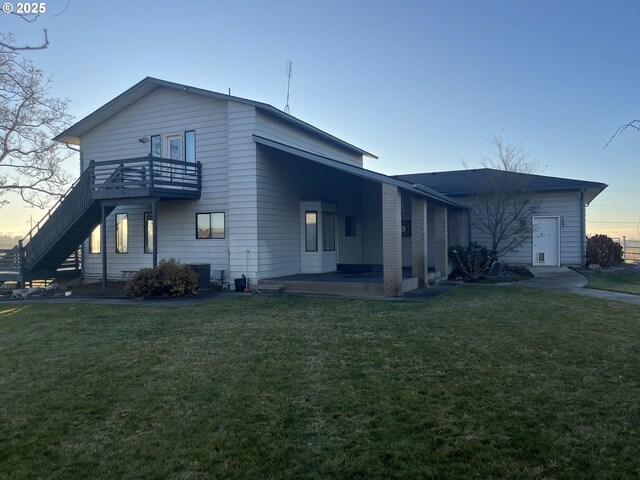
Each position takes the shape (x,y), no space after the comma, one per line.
(210,225)
(94,240)
(148,232)
(328,231)
(122,232)
(311,230)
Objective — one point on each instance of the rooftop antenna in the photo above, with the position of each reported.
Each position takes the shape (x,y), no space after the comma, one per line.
(286,107)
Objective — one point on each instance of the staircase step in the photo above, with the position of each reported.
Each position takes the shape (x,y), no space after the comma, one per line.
(436,280)
(271,288)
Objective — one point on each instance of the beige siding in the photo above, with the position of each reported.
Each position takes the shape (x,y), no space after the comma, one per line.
(162,112)
(565,205)
(283,181)
(275,129)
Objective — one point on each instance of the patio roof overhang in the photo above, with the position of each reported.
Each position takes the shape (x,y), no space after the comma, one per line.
(413,188)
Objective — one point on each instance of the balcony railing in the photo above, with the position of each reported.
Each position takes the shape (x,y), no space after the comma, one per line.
(146,176)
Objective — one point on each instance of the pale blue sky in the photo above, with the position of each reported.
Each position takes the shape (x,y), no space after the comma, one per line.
(421,84)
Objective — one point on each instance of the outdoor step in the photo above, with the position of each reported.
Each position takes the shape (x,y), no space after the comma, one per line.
(436,280)
(268,288)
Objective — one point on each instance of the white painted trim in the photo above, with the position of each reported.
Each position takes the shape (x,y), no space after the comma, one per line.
(533,253)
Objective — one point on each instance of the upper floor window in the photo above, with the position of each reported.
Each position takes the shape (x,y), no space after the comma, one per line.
(156,145)
(175,146)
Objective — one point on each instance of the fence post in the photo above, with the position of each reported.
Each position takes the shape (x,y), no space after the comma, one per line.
(624,249)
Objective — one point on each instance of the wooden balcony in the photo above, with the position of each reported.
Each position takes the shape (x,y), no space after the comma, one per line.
(145,177)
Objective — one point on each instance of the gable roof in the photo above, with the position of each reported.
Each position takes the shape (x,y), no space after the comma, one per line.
(464,182)
(149,84)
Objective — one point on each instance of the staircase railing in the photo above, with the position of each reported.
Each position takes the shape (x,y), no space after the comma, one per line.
(57,220)
(133,177)
(10,260)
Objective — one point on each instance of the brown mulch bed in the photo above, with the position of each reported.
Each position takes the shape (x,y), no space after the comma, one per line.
(114,289)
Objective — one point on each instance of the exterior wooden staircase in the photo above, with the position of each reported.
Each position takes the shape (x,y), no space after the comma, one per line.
(51,248)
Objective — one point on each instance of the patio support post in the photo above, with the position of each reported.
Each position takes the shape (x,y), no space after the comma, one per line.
(154,221)
(103,246)
(441,236)
(391,240)
(419,262)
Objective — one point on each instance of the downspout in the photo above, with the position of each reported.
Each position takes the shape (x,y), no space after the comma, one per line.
(583,228)
(469,226)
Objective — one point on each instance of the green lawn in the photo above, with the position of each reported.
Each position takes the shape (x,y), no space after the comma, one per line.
(614,281)
(482,382)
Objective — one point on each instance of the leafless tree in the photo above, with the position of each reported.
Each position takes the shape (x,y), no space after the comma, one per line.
(30,162)
(502,203)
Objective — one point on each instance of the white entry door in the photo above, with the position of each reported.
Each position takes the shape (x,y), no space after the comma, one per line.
(546,241)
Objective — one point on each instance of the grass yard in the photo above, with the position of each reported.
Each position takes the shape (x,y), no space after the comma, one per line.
(482,382)
(616,280)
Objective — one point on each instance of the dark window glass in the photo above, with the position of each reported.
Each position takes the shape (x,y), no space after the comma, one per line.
(311,231)
(328,231)
(349,226)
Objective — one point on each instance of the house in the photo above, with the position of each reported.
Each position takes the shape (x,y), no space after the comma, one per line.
(173,171)
(170,170)
(555,227)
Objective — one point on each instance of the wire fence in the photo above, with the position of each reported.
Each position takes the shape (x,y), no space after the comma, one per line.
(630,249)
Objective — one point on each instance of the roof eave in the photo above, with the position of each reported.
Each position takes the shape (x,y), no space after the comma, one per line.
(149,84)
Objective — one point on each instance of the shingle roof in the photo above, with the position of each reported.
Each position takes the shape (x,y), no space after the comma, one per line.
(465,182)
(149,84)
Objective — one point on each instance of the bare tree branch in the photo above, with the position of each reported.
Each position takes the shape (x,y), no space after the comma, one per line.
(13,48)
(63,10)
(635,124)
(503,202)
(30,162)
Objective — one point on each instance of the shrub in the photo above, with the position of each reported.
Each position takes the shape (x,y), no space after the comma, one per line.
(170,278)
(604,251)
(471,261)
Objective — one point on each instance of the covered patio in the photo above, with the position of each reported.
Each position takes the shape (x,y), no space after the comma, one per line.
(401,230)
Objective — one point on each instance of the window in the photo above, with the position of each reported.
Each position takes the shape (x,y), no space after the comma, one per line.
(122,232)
(311,230)
(349,226)
(156,146)
(94,240)
(148,232)
(328,231)
(210,225)
(406,228)
(190,146)
(174,146)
